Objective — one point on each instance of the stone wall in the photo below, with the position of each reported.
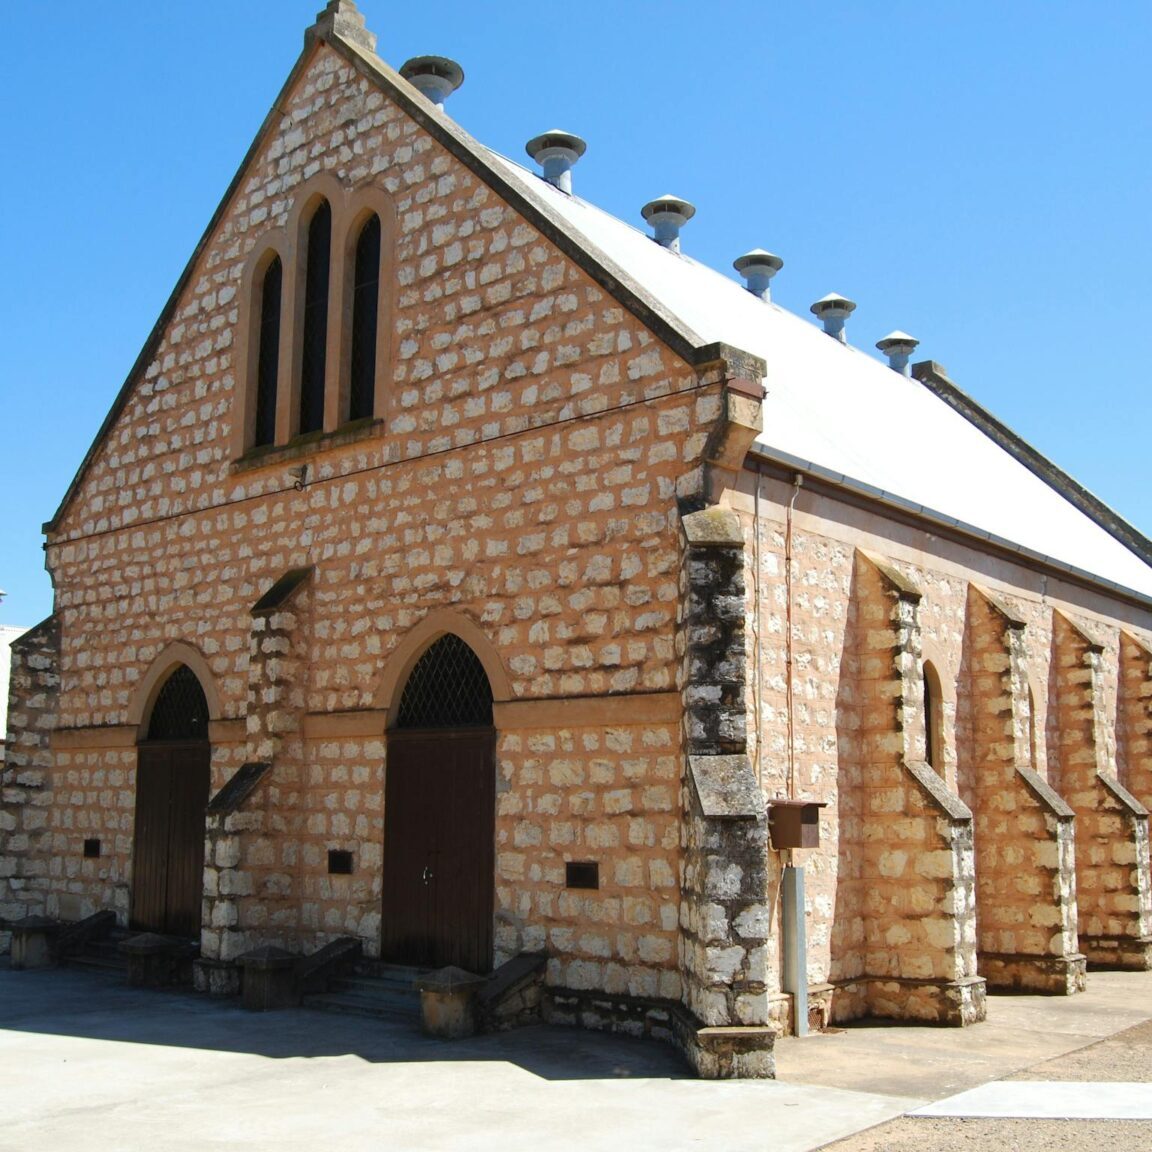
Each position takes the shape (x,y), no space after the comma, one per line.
(520,482)
(1134,724)
(604,793)
(28,872)
(723,913)
(917,869)
(999,706)
(1112,863)
(1025,840)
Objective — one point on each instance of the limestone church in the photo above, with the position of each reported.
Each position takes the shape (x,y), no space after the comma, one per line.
(466,573)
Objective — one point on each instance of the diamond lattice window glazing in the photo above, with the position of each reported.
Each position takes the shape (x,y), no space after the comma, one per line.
(448,688)
(181,710)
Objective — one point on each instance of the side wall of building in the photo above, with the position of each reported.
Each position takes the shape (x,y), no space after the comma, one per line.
(1027,672)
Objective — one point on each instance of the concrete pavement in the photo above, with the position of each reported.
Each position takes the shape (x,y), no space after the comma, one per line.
(88,1063)
(92,1064)
(882,1057)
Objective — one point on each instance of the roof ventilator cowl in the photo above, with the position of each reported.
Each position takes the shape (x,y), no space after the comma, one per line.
(758,267)
(667,215)
(898,347)
(435,77)
(557,152)
(833,310)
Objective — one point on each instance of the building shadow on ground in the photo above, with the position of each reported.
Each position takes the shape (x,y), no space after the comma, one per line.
(102,1007)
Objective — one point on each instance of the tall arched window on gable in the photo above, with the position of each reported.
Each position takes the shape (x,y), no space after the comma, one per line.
(315,345)
(268,356)
(365,309)
(933,719)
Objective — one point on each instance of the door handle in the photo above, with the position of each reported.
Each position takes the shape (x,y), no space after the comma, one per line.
(427,876)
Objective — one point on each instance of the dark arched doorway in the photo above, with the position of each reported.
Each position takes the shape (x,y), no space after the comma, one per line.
(173,768)
(439,814)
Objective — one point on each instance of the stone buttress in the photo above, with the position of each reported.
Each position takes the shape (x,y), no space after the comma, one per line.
(1134,721)
(724,913)
(25,786)
(724,917)
(1113,883)
(1024,832)
(251,854)
(915,951)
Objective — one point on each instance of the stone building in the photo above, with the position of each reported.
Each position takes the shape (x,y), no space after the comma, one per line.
(469,573)
(8,634)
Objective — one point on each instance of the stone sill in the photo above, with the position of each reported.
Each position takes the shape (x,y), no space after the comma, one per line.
(310,444)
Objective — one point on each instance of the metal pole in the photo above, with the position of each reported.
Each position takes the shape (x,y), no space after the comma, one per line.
(795,945)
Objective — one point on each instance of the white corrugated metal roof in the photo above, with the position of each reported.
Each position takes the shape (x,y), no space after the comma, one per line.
(836,407)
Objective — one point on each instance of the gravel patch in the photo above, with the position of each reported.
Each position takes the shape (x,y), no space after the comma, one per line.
(924,1135)
(1126,1057)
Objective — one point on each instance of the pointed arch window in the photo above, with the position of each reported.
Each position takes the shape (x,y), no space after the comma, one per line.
(181,709)
(365,311)
(315,344)
(268,356)
(933,719)
(447,688)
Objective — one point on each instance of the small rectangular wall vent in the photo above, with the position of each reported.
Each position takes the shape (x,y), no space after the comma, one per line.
(91,848)
(339,862)
(582,874)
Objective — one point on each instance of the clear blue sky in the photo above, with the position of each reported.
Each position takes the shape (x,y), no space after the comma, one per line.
(976,174)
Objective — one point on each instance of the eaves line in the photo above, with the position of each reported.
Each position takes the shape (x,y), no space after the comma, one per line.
(856,493)
(933,377)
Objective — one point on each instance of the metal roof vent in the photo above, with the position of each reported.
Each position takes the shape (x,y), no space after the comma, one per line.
(667,215)
(833,310)
(758,267)
(898,347)
(436,77)
(557,152)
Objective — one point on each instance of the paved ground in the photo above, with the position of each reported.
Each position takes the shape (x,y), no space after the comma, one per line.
(1103,1035)
(88,1063)
(1127,1056)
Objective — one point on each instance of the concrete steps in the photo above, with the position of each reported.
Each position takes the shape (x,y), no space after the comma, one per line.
(103,955)
(384,991)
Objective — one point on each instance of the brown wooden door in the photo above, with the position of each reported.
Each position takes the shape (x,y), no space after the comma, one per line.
(172,782)
(439,832)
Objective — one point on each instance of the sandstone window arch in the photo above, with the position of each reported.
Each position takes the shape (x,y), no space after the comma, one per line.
(330,356)
(157,673)
(388,690)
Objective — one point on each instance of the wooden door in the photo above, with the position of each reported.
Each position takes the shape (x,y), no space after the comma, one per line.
(172,782)
(439,832)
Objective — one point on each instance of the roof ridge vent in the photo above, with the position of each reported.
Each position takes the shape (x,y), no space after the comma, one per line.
(833,310)
(556,152)
(898,347)
(758,267)
(435,77)
(668,214)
